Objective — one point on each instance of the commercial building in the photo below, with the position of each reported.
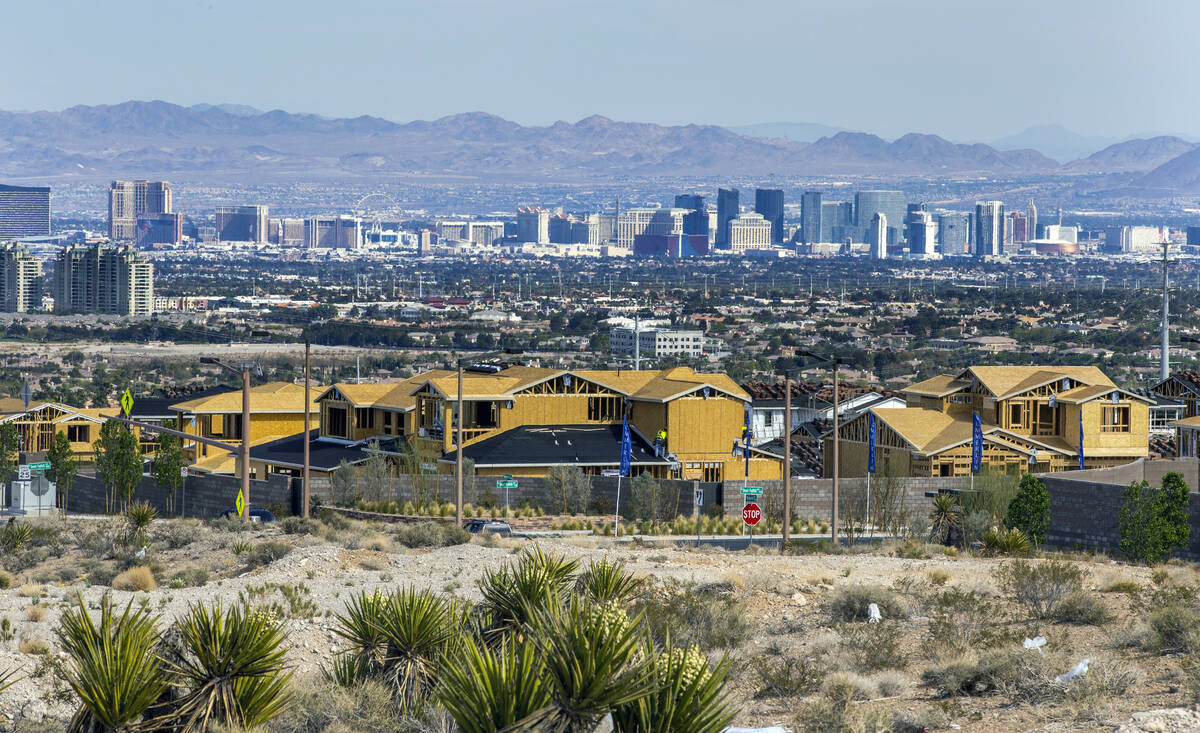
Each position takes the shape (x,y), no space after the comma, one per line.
(956,233)
(670,245)
(24,211)
(922,231)
(479,232)
(877,236)
(20,279)
(1030,419)
(634,223)
(1031,221)
(837,222)
(155,229)
(727,210)
(1129,239)
(286,231)
(103,278)
(749,231)
(127,200)
(1018,228)
(810,217)
(1064,233)
(653,341)
(889,203)
(333,232)
(696,220)
(242,224)
(989,228)
(769,203)
(533,225)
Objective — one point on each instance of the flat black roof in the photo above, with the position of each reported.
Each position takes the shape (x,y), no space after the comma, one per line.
(33,189)
(555,445)
(323,455)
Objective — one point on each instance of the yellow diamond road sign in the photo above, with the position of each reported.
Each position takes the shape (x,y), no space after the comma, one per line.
(127,402)
(240,504)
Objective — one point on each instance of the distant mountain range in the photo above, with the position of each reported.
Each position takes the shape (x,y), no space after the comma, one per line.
(221,141)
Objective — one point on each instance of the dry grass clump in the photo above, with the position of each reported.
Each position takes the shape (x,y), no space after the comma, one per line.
(36,613)
(1128,587)
(787,676)
(1082,609)
(377,542)
(136,578)
(31,590)
(33,645)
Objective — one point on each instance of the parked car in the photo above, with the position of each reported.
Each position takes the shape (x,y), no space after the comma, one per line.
(256,515)
(475,526)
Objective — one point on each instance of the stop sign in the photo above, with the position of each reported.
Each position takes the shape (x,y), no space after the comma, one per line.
(751,514)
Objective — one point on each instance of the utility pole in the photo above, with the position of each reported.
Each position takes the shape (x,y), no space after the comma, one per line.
(1164,365)
(833,523)
(787,462)
(637,341)
(244,457)
(458,461)
(307,427)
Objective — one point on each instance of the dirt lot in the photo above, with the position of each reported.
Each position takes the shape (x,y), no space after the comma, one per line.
(785,602)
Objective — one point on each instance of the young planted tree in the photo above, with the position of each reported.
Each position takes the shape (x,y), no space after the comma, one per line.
(376,474)
(570,488)
(169,463)
(341,483)
(63,467)
(8,452)
(118,463)
(1029,510)
(1154,522)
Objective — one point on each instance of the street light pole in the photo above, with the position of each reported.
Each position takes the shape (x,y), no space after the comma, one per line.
(833,523)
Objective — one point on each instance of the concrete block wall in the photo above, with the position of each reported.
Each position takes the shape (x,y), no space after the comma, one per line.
(813,498)
(202,497)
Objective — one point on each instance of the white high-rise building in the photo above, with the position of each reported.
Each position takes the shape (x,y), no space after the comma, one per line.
(749,231)
(636,222)
(533,224)
(877,236)
(989,228)
(1065,233)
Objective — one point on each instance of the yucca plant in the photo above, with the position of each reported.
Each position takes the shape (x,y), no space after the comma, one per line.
(606,581)
(421,629)
(1006,541)
(138,518)
(594,662)
(15,535)
(366,645)
(688,696)
(230,662)
(491,689)
(515,595)
(8,679)
(113,667)
(943,517)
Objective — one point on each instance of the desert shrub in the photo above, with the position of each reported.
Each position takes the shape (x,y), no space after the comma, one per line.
(300,525)
(962,619)
(99,572)
(834,711)
(36,612)
(974,524)
(34,646)
(851,603)
(1082,609)
(1016,672)
(233,524)
(938,577)
(1106,680)
(872,647)
(189,577)
(1039,587)
(859,686)
(137,578)
(1029,510)
(336,520)
(432,534)
(709,616)
(179,533)
(5,580)
(265,553)
(912,549)
(1174,629)
(786,676)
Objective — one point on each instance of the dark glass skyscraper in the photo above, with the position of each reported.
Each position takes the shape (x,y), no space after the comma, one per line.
(837,221)
(989,228)
(727,210)
(889,203)
(24,211)
(810,217)
(769,203)
(697,221)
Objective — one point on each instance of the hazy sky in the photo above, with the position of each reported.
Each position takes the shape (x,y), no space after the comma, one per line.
(965,69)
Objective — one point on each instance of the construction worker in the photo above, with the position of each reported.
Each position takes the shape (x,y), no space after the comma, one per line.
(660,442)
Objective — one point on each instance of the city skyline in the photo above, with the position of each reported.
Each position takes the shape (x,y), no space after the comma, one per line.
(567,47)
